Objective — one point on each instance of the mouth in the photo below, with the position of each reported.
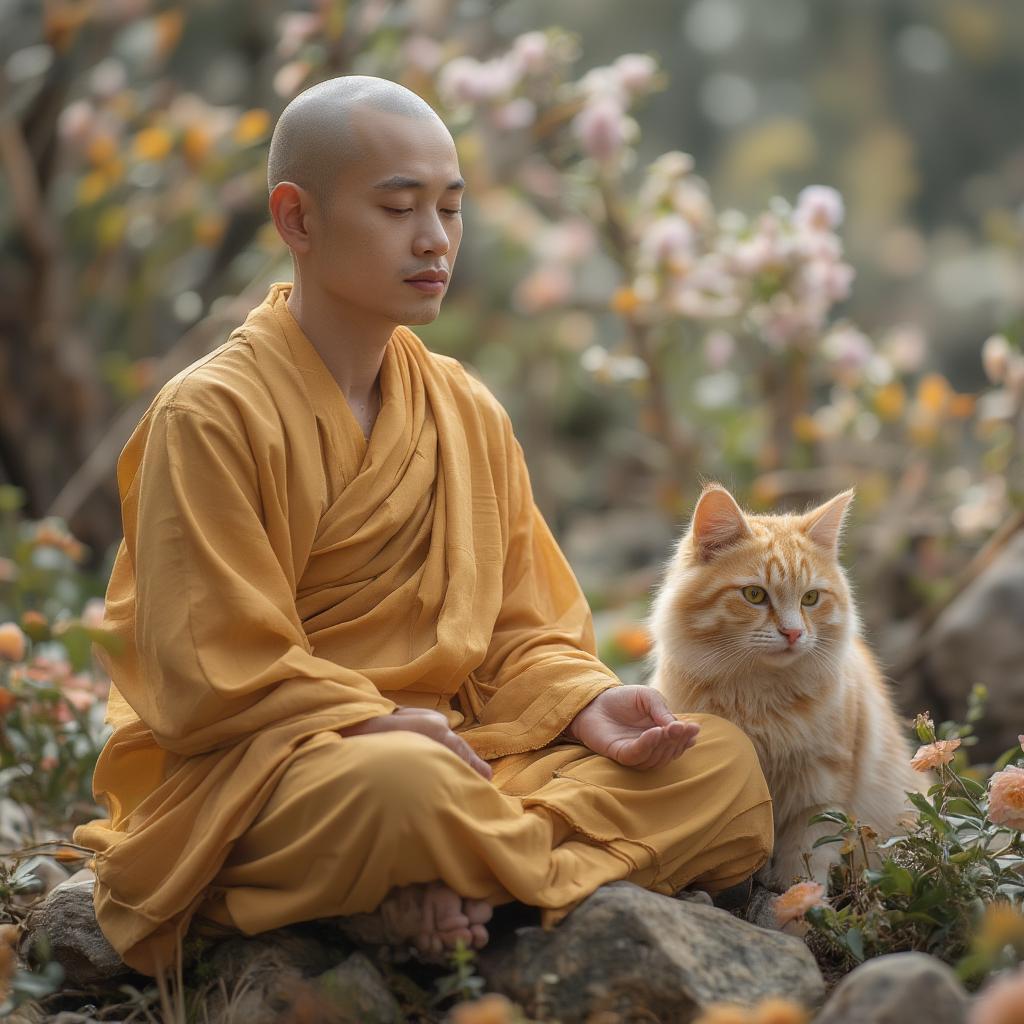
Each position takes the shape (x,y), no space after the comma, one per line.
(431,282)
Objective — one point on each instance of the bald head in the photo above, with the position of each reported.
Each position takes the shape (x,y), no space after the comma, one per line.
(315,136)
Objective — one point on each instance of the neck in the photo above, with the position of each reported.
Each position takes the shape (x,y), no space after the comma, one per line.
(351,345)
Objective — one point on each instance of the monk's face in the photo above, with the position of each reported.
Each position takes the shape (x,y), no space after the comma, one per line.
(391,214)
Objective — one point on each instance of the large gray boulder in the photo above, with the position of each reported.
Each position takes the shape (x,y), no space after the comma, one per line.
(897,989)
(979,639)
(629,951)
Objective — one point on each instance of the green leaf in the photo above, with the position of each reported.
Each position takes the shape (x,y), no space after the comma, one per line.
(855,943)
(1004,759)
(929,813)
(835,816)
(975,788)
(827,839)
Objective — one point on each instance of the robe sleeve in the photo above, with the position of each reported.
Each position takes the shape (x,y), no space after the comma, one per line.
(541,667)
(214,649)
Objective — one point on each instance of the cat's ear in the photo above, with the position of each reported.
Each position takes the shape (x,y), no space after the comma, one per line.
(824,524)
(718,522)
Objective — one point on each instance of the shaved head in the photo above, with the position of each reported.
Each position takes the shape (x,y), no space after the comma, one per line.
(315,137)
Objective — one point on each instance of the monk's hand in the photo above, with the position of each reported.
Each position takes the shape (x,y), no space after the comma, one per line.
(633,725)
(426,722)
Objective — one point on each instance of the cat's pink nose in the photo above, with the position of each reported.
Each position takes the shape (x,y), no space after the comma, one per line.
(792,635)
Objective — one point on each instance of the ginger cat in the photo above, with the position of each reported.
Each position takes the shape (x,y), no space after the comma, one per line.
(754,621)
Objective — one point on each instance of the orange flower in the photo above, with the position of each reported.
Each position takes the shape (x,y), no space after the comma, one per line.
(1006,797)
(931,755)
(1002,925)
(624,301)
(778,1011)
(635,641)
(12,642)
(489,1009)
(890,401)
(1001,1001)
(7,701)
(797,900)
(724,1013)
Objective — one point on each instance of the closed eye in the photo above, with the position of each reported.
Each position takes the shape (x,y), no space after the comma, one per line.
(392,209)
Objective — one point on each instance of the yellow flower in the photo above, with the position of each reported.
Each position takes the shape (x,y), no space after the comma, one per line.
(1000,1002)
(890,401)
(1006,797)
(797,900)
(933,393)
(12,642)
(251,126)
(152,144)
(931,755)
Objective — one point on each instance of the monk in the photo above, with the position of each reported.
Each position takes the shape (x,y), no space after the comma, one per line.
(356,677)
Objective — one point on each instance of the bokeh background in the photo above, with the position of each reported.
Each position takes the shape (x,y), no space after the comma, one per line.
(776,243)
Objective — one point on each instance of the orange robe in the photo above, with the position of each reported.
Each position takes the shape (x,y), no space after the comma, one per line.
(282,578)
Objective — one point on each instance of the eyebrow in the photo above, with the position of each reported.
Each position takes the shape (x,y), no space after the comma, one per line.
(397,182)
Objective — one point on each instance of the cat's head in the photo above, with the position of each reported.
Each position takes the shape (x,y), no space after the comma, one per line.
(754,592)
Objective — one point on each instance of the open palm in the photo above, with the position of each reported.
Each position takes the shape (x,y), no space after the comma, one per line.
(633,725)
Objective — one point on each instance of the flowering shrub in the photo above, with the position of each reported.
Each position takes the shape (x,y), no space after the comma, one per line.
(51,695)
(952,885)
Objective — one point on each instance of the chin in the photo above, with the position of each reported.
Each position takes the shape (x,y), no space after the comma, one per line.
(422,316)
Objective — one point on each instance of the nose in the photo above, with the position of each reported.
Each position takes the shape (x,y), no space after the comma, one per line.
(791,635)
(433,240)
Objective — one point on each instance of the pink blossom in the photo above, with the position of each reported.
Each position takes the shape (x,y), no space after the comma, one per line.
(636,72)
(294,29)
(1006,797)
(423,52)
(666,237)
(600,127)
(549,285)
(568,241)
(819,207)
(533,50)
(516,114)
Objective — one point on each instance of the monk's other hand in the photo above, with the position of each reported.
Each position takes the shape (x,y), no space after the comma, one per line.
(426,722)
(633,725)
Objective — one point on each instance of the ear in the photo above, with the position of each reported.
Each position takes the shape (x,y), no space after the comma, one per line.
(718,522)
(289,207)
(824,525)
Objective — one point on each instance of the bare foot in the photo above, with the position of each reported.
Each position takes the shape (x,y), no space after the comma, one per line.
(432,917)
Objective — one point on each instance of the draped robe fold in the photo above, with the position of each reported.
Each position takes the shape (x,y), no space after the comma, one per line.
(282,577)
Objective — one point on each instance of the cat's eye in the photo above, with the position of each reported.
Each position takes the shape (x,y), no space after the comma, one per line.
(811,597)
(755,595)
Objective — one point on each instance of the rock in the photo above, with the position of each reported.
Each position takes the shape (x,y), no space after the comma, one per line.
(356,991)
(978,639)
(65,923)
(645,956)
(761,910)
(290,974)
(896,989)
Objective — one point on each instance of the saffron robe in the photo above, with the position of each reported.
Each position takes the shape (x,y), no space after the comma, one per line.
(281,578)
